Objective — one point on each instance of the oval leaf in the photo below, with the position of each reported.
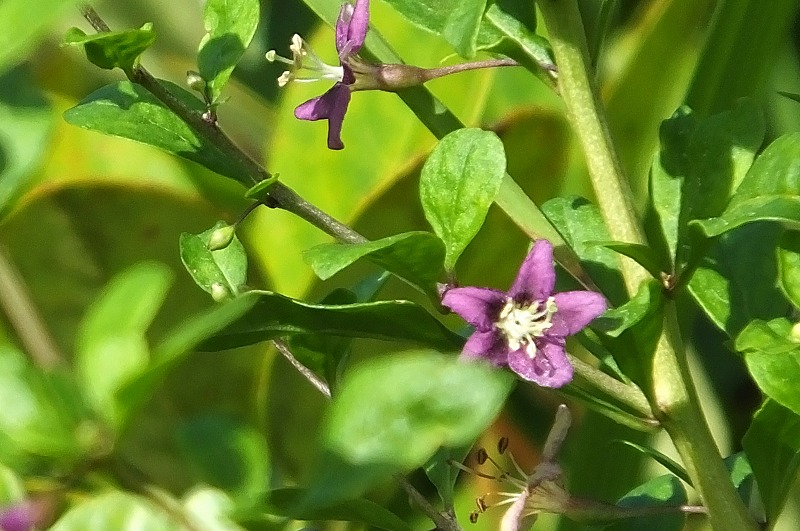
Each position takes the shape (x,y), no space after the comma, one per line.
(113,49)
(416,257)
(459,181)
(222,272)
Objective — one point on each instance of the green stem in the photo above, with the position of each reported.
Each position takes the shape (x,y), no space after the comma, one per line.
(672,396)
(279,195)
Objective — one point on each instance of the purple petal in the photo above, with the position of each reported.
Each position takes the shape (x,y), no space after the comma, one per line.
(537,276)
(351,28)
(490,346)
(549,368)
(576,309)
(330,106)
(19,517)
(478,306)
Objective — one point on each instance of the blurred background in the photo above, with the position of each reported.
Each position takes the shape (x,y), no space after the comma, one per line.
(77,207)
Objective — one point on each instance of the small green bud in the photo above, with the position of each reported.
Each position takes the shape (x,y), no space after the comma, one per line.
(221,238)
(218,292)
(195,81)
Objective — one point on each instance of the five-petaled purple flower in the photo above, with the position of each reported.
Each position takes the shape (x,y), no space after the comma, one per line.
(351,30)
(526,327)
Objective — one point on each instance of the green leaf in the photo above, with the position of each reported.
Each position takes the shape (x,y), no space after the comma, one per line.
(286,502)
(770,191)
(416,257)
(641,254)
(443,474)
(735,282)
(772,444)
(458,183)
(617,320)
(509,28)
(128,110)
(273,315)
(230,26)
(579,222)
(450,407)
(223,272)
(210,509)
(743,479)
(114,49)
(457,21)
(663,491)
(115,510)
(260,190)
(664,460)
(227,454)
(789,266)
(111,345)
(28,121)
(24,23)
(772,354)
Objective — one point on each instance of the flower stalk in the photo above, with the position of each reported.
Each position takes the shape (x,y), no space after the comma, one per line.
(672,395)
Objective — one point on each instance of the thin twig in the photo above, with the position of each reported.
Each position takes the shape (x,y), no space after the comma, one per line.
(279,195)
(444,521)
(307,373)
(23,316)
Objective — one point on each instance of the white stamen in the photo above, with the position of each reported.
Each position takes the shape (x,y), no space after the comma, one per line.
(305,65)
(523,323)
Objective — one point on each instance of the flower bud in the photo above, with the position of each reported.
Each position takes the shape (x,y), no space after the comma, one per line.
(195,81)
(221,238)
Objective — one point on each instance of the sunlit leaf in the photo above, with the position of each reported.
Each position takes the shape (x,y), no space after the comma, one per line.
(221,272)
(115,510)
(116,49)
(663,491)
(23,22)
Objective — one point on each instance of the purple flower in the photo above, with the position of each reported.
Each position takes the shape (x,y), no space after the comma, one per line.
(351,30)
(526,327)
(22,516)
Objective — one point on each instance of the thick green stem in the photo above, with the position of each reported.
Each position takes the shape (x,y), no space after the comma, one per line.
(672,396)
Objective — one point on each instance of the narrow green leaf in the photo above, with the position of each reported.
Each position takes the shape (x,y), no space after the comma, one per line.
(285,502)
(772,444)
(116,49)
(443,474)
(458,21)
(227,454)
(260,190)
(458,184)
(414,256)
(664,460)
(115,510)
(615,321)
(111,345)
(450,407)
(230,26)
(222,272)
(127,110)
(770,191)
(772,353)
(273,315)
(641,254)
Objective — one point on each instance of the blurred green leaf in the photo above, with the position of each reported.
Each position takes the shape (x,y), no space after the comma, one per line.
(273,315)
(789,266)
(443,474)
(26,125)
(770,191)
(285,502)
(457,21)
(663,491)
(115,510)
(128,110)
(416,257)
(227,454)
(772,445)
(115,49)
(23,23)
(772,354)
(458,183)
(223,272)
(450,407)
(210,510)
(11,486)
(111,345)
(579,222)
(736,281)
(230,26)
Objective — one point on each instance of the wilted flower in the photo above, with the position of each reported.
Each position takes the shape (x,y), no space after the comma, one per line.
(351,30)
(526,327)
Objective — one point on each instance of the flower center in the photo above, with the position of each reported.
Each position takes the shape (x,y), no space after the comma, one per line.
(304,65)
(523,323)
